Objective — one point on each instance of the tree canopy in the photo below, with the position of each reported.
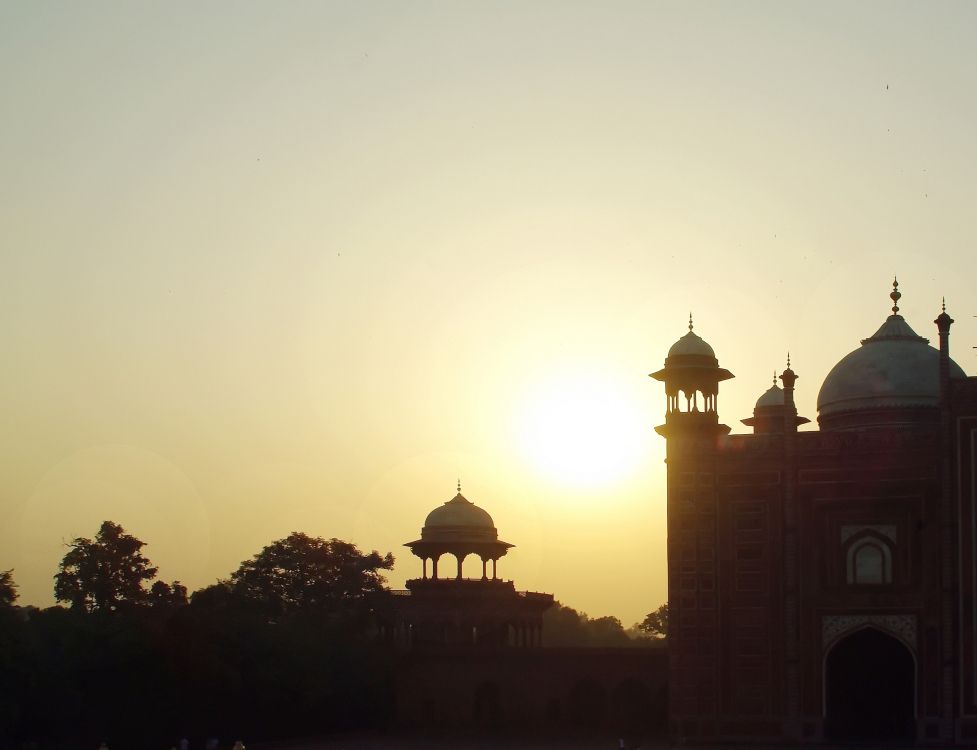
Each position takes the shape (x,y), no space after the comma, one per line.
(565,626)
(104,574)
(656,623)
(8,589)
(304,572)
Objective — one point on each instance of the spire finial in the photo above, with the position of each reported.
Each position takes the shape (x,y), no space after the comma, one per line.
(789,377)
(459,485)
(894,295)
(690,321)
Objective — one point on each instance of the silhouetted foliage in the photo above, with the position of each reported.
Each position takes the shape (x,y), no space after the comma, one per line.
(302,572)
(656,623)
(163,594)
(8,589)
(221,666)
(105,573)
(564,626)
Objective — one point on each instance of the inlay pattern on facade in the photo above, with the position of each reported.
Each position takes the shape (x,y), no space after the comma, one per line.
(902,627)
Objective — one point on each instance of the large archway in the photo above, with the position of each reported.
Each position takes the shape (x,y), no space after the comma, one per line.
(870,688)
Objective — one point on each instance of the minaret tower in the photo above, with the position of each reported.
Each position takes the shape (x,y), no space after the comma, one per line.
(692,432)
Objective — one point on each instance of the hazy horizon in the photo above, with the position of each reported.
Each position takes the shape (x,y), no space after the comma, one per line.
(300,267)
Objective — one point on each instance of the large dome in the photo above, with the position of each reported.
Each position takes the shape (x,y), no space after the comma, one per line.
(893,369)
(459,511)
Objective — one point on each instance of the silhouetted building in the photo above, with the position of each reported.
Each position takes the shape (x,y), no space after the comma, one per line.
(822,583)
(485,612)
(471,653)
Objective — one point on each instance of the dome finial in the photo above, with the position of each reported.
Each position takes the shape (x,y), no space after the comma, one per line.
(459,485)
(894,295)
(943,304)
(690,321)
(775,377)
(788,360)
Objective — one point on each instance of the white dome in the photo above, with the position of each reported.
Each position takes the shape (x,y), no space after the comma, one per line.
(894,368)
(691,344)
(459,512)
(773,396)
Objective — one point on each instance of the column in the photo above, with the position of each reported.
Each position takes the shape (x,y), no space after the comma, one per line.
(424,567)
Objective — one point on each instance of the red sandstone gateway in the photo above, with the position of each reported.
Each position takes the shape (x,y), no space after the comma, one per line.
(822,583)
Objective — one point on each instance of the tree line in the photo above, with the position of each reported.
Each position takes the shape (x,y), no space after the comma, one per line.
(286,645)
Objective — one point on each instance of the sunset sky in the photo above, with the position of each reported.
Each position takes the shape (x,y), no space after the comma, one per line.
(299,266)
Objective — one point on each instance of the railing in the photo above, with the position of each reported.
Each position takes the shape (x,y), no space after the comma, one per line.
(462,581)
(448,583)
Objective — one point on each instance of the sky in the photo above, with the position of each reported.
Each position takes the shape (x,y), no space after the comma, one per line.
(274,267)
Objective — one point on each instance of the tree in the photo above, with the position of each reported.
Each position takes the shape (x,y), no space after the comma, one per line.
(303,572)
(104,574)
(656,623)
(565,626)
(163,594)
(8,589)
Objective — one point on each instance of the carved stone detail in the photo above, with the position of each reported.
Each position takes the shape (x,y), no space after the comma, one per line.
(902,627)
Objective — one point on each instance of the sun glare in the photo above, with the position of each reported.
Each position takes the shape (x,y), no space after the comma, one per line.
(584,430)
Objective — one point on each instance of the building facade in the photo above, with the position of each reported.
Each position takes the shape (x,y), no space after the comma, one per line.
(822,583)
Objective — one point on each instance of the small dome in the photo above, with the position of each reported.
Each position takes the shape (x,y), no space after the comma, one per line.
(691,344)
(773,396)
(895,368)
(459,512)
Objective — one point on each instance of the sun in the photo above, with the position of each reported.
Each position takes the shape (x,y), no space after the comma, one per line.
(583,429)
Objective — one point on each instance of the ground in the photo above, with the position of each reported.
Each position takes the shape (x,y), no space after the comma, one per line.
(381,742)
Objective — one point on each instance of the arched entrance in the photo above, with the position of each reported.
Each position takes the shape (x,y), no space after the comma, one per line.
(870,688)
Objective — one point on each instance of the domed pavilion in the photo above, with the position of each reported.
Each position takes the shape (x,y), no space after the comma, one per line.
(452,611)
(771,410)
(459,528)
(692,370)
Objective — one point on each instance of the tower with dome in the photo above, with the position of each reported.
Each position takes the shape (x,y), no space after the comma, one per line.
(822,582)
(442,609)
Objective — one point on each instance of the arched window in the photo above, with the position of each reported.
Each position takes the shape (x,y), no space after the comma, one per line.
(869,561)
